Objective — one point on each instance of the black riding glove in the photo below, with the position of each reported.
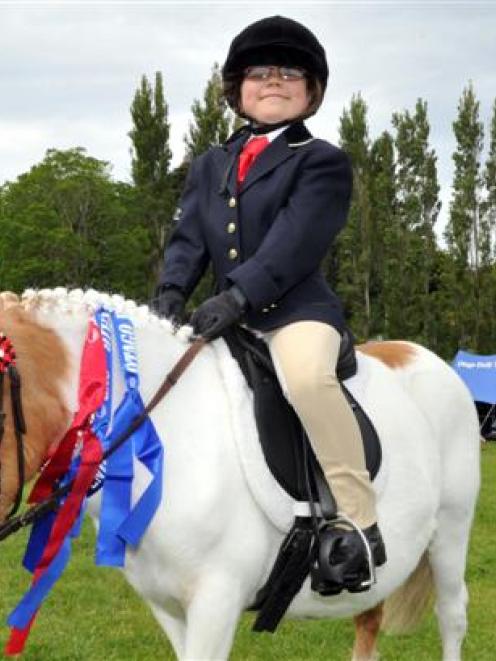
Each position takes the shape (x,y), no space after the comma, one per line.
(216,314)
(170,303)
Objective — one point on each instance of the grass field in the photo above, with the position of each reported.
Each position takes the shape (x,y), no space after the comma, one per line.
(93,614)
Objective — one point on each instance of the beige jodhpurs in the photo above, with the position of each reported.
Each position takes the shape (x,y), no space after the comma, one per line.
(305,355)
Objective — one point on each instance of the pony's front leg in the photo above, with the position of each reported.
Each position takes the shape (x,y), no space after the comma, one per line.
(211,618)
(174,626)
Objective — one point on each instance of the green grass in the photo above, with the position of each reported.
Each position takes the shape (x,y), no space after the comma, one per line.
(93,614)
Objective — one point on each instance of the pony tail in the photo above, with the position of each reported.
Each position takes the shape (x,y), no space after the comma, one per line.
(404,609)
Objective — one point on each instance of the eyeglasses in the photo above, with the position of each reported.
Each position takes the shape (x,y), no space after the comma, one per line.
(265,72)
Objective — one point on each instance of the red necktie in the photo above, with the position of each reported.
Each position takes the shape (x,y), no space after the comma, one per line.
(247,157)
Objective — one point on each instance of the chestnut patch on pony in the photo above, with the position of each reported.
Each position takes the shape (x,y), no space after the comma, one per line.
(42,364)
(393,354)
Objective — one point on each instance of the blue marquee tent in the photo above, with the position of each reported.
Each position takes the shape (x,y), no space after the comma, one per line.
(479,374)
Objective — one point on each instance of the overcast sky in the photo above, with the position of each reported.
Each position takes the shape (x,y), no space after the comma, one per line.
(68,69)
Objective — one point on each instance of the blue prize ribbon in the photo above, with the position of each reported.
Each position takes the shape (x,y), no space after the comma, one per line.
(150,452)
(101,421)
(118,473)
(38,539)
(116,499)
(32,600)
(119,523)
(109,550)
(126,344)
(37,593)
(147,445)
(126,525)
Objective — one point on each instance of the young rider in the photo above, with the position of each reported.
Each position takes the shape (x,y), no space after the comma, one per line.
(264,209)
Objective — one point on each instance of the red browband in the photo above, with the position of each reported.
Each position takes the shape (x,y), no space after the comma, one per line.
(7,353)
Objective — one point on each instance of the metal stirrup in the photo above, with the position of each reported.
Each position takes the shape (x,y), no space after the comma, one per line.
(342,518)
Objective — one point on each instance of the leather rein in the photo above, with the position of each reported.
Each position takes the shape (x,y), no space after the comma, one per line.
(13,524)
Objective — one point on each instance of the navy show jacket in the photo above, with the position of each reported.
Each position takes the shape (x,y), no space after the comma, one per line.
(270,236)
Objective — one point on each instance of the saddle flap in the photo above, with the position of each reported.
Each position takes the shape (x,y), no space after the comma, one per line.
(281,434)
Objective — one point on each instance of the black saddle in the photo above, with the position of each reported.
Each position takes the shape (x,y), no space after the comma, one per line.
(294,465)
(284,442)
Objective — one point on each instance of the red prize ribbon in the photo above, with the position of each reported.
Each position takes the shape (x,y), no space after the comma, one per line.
(91,395)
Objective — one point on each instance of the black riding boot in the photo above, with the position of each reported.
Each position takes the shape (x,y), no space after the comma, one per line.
(346,561)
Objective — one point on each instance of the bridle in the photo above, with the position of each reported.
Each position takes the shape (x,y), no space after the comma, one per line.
(8,368)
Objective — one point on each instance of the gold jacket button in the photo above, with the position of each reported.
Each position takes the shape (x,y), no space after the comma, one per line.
(273,306)
(232,202)
(231,228)
(233,253)
(265,310)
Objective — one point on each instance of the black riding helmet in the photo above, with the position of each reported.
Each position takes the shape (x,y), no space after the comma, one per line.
(277,41)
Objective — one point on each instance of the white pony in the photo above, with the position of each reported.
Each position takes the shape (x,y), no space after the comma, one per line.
(213,541)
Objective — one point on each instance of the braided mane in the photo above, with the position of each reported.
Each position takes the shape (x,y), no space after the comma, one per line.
(30,321)
(79,302)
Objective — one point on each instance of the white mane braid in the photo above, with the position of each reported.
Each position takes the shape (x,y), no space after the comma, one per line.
(80,302)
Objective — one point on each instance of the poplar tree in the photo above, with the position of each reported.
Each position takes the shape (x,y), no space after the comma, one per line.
(386,244)
(490,172)
(466,233)
(488,213)
(151,156)
(355,241)
(212,118)
(417,209)
(210,126)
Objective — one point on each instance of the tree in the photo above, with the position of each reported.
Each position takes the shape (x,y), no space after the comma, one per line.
(466,232)
(211,126)
(354,243)
(65,222)
(151,158)
(489,207)
(212,119)
(488,271)
(417,209)
(386,239)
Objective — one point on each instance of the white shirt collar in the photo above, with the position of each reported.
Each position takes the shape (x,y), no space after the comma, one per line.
(271,135)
